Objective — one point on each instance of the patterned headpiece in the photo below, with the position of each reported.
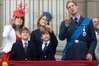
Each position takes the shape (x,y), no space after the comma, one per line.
(48,15)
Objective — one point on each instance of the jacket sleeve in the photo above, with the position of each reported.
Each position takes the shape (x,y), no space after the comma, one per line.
(32,37)
(13,53)
(54,39)
(92,39)
(54,42)
(63,30)
(7,30)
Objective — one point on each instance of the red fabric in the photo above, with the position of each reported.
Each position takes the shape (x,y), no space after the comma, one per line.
(5,57)
(18,38)
(53,63)
(19,13)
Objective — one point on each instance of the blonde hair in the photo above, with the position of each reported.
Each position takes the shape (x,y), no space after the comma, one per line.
(43,31)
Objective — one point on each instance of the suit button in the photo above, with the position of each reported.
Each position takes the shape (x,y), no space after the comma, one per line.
(25,58)
(44,56)
(68,29)
(76,41)
(76,26)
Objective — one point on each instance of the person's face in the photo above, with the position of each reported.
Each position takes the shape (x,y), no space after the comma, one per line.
(25,35)
(18,21)
(95,22)
(45,36)
(73,9)
(43,21)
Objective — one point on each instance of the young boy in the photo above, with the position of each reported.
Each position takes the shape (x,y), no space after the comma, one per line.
(48,46)
(24,49)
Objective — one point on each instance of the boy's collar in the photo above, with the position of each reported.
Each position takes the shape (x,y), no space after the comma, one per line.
(47,42)
(24,41)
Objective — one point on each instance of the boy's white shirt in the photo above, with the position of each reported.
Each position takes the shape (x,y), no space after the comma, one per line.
(24,42)
(43,45)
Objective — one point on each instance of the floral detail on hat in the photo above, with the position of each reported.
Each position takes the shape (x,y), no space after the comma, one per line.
(20,12)
(48,15)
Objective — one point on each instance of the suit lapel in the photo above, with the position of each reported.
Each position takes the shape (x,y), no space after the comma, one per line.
(40,48)
(21,47)
(29,45)
(81,20)
(72,22)
(72,25)
(79,23)
(48,47)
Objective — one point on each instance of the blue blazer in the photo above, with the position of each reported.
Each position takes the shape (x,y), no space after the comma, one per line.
(86,44)
(18,52)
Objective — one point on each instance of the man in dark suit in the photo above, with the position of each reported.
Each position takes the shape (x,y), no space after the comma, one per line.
(80,34)
(24,49)
(48,47)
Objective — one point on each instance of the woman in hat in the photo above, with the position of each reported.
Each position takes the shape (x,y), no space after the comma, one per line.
(43,24)
(12,32)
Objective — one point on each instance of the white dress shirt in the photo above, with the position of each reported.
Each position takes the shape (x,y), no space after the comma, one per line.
(23,42)
(78,18)
(43,45)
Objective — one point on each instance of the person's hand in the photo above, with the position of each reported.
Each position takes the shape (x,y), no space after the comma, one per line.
(89,57)
(48,28)
(67,19)
(12,21)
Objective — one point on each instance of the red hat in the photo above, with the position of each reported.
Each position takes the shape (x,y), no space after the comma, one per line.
(20,12)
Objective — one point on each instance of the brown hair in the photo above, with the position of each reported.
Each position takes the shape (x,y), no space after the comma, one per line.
(43,31)
(69,2)
(38,22)
(25,29)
